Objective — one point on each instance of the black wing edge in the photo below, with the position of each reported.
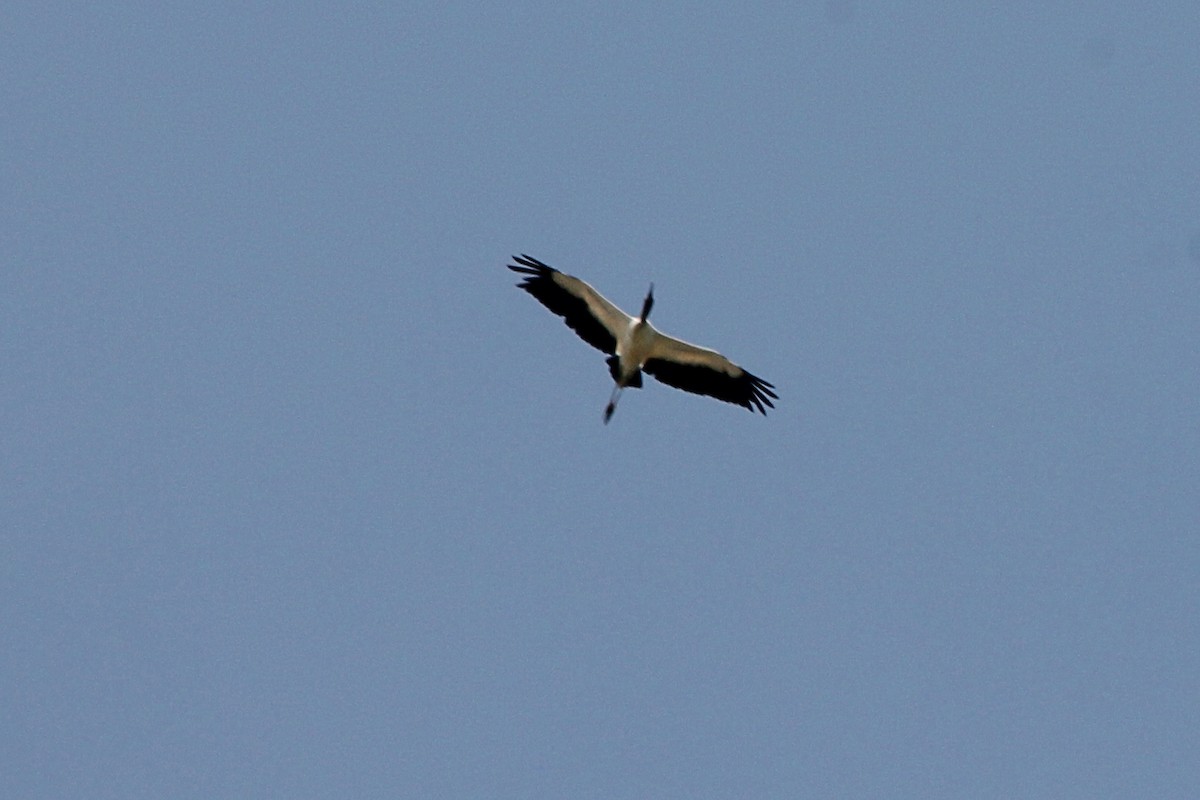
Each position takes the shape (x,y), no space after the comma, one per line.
(574,310)
(746,390)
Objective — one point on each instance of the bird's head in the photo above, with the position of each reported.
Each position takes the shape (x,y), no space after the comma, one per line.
(649,302)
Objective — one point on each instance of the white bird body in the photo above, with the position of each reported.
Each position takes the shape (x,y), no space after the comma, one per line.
(636,346)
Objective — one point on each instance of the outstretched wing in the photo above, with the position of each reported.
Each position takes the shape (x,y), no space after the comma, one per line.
(707,372)
(597,321)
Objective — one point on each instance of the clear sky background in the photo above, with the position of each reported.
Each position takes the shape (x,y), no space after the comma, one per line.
(299,497)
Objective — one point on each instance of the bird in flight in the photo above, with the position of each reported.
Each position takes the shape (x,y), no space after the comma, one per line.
(634,346)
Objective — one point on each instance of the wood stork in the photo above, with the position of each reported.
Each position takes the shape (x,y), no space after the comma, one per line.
(635,346)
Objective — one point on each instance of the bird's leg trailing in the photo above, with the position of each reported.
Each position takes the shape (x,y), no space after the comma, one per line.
(612,402)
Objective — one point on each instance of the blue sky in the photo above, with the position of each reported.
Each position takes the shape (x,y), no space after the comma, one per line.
(301,498)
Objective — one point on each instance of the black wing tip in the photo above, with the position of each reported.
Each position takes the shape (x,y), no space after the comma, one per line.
(530,266)
(761,385)
(757,403)
(761,395)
